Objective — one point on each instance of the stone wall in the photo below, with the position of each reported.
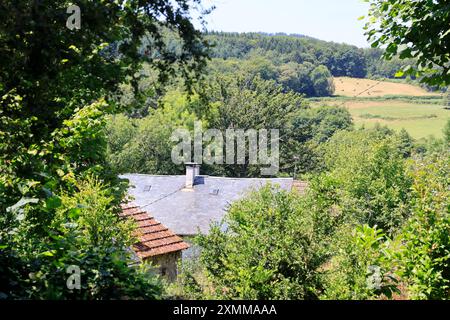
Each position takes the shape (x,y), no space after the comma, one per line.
(167,264)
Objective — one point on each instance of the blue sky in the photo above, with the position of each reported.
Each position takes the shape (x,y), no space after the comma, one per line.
(331,20)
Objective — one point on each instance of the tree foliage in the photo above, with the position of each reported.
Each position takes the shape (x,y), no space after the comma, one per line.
(268,247)
(83,230)
(413,29)
(143,145)
(56,87)
(368,177)
(424,260)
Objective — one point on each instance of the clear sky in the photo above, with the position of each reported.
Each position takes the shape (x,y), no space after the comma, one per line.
(331,20)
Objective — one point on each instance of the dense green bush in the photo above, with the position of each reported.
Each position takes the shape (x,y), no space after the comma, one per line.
(85,232)
(268,247)
(372,225)
(321,123)
(322,81)
(144,145)
(369,173)
(423,260)
(56,87)
(361,267)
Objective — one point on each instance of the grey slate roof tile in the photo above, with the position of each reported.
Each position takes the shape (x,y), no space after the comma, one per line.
(187,211)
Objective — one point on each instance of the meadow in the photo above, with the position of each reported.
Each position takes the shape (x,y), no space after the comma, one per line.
(396,105)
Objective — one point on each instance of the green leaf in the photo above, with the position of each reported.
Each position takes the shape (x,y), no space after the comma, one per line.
(53,202)
(399,74)
(49,253)
(74,213)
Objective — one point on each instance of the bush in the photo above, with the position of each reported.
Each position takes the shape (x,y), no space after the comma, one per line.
(361,268)
(424,259)
(268,247)
(322,81)
(144,145)
(85,232)
(369,175)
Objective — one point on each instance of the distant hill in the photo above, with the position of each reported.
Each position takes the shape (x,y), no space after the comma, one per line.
(293,60)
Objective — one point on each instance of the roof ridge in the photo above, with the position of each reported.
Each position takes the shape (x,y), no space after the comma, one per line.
(145,219)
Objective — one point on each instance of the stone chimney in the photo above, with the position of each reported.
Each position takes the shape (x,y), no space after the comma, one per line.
(192,171)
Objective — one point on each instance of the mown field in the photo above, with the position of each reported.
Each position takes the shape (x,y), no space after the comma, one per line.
(396,105)
(351,87)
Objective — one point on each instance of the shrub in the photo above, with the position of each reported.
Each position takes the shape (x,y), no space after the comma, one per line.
(361,268)
(268,247)
(86,232)
(369,173)
(424,259)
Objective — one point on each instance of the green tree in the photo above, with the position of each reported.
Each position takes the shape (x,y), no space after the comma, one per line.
(361,268)
(322,81)
(267,248)
(413,29)
(296,77)
(144,145)
(405,143)
(320,124)
(56,86)
(86,232)
(242,103)
(423,260)
(368,172)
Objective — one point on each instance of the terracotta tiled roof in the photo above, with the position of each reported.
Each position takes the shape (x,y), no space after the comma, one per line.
(154,238)
(300,186)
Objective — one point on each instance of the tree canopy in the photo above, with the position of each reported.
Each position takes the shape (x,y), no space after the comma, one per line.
(56,87)
(413,29)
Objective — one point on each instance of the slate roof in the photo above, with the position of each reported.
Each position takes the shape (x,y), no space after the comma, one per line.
(154,238)
(186,211)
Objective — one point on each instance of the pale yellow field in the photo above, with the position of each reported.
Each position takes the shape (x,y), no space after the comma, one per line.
(421,117)
(351,87)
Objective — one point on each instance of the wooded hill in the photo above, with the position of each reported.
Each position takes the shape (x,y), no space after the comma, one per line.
(297,62)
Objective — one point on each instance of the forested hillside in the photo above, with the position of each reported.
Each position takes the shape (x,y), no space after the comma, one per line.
(299,63)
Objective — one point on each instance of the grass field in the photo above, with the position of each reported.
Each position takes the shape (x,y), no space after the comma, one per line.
(351,87)
(395,105)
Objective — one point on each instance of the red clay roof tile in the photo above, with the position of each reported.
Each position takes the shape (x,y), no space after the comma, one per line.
(154,238)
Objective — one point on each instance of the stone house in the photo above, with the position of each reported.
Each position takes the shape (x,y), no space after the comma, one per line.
(157,243)
(188,204)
